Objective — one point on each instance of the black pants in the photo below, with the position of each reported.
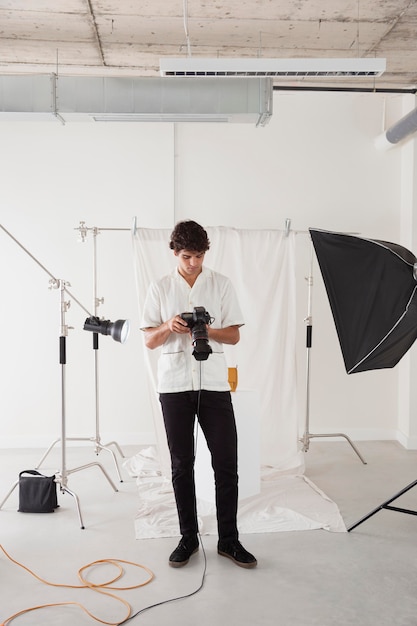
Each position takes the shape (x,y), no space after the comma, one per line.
(214,411)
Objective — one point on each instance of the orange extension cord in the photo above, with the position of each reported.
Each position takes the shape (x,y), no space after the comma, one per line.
(99,588)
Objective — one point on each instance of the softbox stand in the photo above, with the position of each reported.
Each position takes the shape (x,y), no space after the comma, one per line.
(96,439)
(309,338)
(61,477)
(386,505)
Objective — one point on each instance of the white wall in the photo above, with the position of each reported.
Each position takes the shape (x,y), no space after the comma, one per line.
(315,163)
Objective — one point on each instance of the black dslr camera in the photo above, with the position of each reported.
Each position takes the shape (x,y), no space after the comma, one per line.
(197,321)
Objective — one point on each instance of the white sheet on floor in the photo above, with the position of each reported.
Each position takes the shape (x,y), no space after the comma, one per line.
(286,502)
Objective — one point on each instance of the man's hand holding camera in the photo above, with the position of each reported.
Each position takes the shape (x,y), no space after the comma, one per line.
(178,325)
(198,325)
(157,336)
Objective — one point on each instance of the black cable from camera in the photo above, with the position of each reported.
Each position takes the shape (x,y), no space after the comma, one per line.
(193,593)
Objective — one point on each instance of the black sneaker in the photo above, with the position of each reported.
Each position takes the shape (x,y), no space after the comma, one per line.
(186,548)
(234,550)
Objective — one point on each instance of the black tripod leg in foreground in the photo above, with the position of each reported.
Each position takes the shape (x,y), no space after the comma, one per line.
(385,505)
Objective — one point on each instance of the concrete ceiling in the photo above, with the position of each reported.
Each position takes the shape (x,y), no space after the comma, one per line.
(128,37)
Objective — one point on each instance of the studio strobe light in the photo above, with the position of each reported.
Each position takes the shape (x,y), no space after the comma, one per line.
(119,330)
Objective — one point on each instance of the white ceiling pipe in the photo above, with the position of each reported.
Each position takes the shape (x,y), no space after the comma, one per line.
(399,131)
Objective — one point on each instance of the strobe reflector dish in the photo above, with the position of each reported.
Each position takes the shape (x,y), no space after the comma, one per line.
(119,330)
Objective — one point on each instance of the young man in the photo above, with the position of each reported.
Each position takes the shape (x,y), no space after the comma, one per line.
(189,387)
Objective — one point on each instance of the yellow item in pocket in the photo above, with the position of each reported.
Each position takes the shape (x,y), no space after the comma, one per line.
(232,378)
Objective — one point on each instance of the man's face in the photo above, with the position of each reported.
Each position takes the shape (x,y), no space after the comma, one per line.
(190,262)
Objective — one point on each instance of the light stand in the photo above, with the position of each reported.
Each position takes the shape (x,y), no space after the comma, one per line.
(309,336)
(96,439)
(62,475)
(97,301)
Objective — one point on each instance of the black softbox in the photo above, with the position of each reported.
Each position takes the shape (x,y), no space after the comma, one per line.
(372,290)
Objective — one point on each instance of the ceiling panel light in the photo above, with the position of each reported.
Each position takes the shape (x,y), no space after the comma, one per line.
(277,68)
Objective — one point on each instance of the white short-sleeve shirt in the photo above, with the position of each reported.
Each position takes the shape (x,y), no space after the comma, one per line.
(178,370)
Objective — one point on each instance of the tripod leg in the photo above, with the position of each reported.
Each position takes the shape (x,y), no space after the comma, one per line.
(78,469)
(310,435)
(9,493)
(100,446)
(363,519)
(385,504)
(77,503)
(47,452)
(118,448)
(354,447)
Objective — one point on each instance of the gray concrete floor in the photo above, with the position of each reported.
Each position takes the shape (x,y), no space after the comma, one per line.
(366,577)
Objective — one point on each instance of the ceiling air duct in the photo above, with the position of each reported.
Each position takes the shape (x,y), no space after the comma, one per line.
(159,99)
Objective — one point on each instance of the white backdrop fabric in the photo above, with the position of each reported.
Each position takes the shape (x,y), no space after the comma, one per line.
(261,266)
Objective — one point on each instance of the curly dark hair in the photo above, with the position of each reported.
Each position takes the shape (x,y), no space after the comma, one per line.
(189,235)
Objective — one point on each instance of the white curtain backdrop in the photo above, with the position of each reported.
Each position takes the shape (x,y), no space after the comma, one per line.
(261,265)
